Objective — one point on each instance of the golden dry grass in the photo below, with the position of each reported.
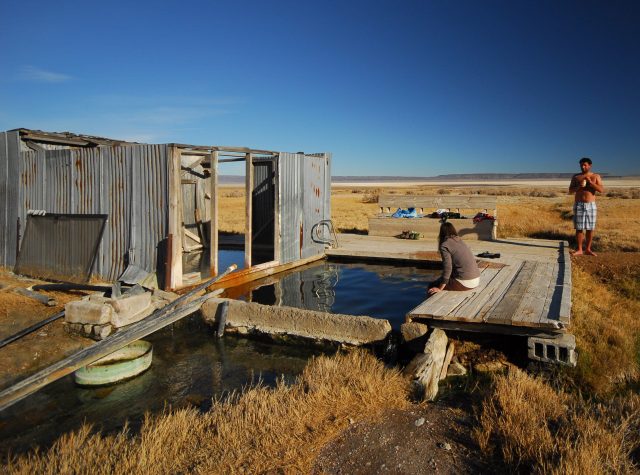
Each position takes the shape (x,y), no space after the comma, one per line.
(533,428)
(607,332)
(261,430)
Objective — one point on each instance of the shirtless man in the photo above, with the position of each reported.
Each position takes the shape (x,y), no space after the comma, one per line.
(585,185)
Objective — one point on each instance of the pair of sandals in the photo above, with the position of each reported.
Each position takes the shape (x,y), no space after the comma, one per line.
(489,255)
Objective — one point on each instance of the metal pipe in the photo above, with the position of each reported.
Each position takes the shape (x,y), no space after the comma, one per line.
(31,329)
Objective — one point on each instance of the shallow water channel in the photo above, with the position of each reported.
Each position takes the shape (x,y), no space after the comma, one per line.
(190,365)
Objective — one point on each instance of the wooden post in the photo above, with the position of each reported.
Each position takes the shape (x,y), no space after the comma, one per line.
(248,215)
(213,228)
(175,219)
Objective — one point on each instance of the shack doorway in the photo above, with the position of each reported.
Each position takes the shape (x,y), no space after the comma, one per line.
(263,212)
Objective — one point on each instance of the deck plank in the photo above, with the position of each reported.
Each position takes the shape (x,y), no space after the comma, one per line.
(533,301)
(507,306)
(471,311)
(450,301)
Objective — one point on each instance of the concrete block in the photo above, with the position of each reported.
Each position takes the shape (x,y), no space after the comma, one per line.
(561,350)
(310,324)
(87,311)
(100,332)
(130,309)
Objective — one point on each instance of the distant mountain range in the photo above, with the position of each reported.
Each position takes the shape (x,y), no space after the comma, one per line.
(235,179)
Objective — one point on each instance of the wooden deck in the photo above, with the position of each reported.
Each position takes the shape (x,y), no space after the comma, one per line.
(526,291)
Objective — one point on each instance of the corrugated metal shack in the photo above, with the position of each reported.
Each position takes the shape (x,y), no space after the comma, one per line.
(161,200)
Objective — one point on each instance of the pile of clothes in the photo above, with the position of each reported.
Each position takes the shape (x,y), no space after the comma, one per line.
(482,217)
(446,214)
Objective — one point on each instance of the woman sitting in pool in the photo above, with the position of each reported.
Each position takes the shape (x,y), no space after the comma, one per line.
(460,270)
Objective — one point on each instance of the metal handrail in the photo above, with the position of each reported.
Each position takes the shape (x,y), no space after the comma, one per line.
(318,236)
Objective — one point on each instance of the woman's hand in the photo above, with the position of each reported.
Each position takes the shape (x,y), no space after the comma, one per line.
(434,290)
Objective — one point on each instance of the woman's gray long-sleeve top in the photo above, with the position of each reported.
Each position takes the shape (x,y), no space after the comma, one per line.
(458,261)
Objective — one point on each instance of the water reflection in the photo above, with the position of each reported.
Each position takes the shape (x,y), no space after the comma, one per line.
(357,289)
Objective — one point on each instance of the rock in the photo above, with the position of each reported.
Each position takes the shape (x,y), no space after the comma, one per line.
(425,368)
(489,367)
(456,369)
(87,311)
(414,333)
(419,422)
(444,445)
(447,360)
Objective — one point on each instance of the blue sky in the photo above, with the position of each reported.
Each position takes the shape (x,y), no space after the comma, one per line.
(389,87)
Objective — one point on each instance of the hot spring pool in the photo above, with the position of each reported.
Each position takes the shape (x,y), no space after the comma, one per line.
(381,291)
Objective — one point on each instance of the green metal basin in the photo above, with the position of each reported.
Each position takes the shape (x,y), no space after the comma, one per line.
(122,364)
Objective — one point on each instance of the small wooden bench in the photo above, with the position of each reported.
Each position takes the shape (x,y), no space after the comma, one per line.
(384,224)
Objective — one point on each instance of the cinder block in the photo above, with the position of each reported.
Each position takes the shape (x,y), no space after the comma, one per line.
(86,311)
(560,350)
(131,309)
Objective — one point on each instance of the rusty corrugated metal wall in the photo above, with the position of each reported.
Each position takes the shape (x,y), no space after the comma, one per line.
(305,200)
(9,186)
(128,183)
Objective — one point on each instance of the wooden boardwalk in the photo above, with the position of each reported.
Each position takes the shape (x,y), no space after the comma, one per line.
(526,291)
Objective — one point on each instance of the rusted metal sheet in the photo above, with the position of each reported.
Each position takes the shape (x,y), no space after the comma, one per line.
(52,249)
(128,183)
(305,194)
(9,190)
(290,184)
(313,205)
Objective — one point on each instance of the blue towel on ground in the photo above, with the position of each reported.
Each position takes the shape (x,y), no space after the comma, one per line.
(405,213)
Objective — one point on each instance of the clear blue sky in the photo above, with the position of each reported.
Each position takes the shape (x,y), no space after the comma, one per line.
(390,87)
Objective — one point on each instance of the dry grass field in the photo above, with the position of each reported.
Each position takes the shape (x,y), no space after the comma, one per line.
(582,420)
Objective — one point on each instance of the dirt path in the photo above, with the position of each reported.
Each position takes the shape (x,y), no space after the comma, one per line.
(41,348)
(427,438)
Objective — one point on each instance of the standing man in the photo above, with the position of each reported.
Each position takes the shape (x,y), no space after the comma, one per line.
(585,185)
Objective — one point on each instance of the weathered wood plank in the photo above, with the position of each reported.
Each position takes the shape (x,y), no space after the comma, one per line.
(213,228)
(498,291)
(492,279)
(495,288)
(175,219)
(533,301)
(454,300)
(505,309)
(565,301)
(551,309)
(442,304)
